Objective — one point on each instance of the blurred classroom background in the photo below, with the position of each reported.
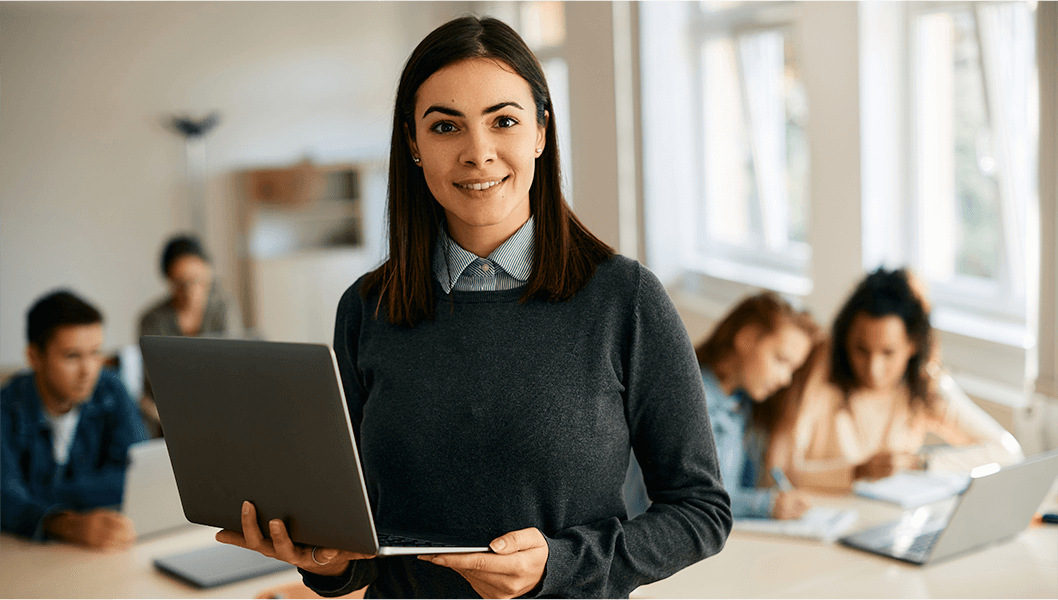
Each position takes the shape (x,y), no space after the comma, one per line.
(729,146)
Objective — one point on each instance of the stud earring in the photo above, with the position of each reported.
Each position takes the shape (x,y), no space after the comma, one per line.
(416,159)
(539,150)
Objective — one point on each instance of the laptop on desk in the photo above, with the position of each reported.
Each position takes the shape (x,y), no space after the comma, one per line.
(268,422)
(996,505)
(151,499)
(152,502)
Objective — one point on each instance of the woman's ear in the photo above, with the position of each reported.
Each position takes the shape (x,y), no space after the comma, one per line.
(541,134)
(411,143)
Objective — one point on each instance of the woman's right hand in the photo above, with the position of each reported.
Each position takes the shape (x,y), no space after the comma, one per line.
(790,505)
(334,562)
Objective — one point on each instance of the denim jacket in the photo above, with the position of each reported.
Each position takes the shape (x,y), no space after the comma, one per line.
(741,456)
(33,485)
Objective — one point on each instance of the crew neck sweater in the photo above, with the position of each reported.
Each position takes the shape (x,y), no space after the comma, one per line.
(499,415)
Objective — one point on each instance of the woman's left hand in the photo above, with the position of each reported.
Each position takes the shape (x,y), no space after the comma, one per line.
(513,568)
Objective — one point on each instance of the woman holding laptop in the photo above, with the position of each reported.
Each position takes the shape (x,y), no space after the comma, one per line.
(502,362)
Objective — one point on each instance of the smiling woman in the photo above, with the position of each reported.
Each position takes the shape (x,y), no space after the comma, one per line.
(501,365)
(477,148)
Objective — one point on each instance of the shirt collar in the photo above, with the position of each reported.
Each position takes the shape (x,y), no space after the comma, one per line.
(514,256)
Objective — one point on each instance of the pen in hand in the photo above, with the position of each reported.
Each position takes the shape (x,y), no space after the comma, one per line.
(780,480)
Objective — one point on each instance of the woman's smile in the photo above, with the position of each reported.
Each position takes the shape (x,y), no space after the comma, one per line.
(480,185)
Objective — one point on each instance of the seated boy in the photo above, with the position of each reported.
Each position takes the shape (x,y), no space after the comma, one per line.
(65,430)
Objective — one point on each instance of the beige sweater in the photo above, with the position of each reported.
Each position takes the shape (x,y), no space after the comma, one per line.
(828,439)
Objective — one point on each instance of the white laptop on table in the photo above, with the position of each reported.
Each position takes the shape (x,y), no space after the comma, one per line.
(996,505)
(151,499)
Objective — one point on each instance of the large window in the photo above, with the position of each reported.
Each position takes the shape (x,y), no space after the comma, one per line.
(754,156)
(723,97)
(974,126)
(922,120)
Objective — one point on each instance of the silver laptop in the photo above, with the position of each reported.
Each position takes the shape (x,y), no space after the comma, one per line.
(268,422)
(151,499)
(998,504)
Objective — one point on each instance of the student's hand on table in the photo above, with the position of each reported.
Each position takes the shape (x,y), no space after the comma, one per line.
(327,561)
(885,464)
(101,529)
(790,505)
(513,568)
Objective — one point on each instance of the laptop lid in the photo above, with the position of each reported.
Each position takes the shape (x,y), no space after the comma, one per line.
(997,505)
(151,499)
(265,422)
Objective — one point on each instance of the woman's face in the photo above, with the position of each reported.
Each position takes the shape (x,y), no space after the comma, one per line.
(766,361)
(477,138)
(878,349)
(190,279)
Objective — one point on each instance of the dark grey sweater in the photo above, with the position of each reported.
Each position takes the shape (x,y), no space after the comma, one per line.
(500,415)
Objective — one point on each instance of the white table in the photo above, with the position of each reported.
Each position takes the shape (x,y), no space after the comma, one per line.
(750,566)
(758,566)
(58,570)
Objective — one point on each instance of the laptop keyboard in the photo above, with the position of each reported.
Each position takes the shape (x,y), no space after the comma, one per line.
(918,551)
(400,541)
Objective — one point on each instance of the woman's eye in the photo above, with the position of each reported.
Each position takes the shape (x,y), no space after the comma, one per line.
(443,127)
(505,122)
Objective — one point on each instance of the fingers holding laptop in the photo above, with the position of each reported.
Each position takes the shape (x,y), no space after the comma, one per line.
(322,561)
(513,568)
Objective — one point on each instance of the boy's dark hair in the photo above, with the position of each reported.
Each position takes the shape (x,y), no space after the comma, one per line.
(61,308)
(180,246)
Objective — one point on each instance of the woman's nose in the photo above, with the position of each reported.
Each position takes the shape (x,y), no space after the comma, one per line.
(479,149)
(877,370)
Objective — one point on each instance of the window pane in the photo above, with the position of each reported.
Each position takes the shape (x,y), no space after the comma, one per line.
(729,182)
(796,145)
(957,192)
(755,151)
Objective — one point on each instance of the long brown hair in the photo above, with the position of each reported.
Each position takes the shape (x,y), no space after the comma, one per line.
(769,312)
(566,253)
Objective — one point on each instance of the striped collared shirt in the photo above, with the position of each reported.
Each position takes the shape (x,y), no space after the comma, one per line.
(506,268)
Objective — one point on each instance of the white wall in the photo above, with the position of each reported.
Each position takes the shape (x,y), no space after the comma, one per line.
(92,181)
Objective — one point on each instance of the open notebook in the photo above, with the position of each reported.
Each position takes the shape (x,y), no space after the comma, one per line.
(910,489)
(821,523)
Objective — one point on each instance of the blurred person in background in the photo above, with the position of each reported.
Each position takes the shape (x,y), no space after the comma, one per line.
(66,429)
(871,394)
(750,356)
(193,307)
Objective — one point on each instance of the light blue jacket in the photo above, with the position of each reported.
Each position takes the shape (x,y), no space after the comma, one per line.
(741,456)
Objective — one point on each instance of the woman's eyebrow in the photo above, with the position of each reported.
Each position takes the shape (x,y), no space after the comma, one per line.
(455,113)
